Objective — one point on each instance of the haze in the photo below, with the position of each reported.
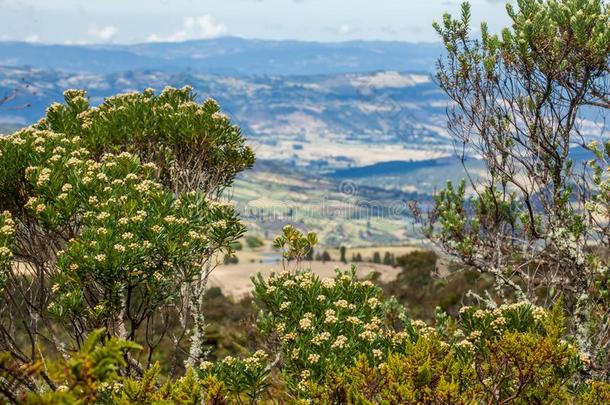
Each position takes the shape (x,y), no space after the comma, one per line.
(134,21)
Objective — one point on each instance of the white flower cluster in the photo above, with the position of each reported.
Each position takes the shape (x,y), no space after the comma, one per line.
(8,229)
(306,322)
(5,252)
(328,283)
(340,342)
(258,359)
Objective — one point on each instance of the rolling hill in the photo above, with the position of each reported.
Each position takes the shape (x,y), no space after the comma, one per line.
(227,56)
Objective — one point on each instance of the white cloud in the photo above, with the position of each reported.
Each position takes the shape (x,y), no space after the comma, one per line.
(344,29)
(199,27)
(32,38)
(104,33)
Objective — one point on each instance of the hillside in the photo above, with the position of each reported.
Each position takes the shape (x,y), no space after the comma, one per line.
(227,56)
(272,195)
(289,112)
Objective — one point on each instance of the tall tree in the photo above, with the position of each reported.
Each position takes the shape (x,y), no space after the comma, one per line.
(521,101)
(376,257)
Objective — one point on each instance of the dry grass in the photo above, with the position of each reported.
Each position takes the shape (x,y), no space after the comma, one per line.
(234,279)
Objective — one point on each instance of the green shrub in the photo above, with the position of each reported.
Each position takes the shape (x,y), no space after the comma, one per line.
(321,325)
(114,216)
(515,353)
(254,242)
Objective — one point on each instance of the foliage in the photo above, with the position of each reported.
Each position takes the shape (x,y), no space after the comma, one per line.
(194,146)
(321,324)
(418,268)
(230,330)
(515,353)
(113,222)
(7,232)
(294,244)
(519,101)
(321,327)
(422,289)
(246,378)
(511,355)
(91,375)
(254,242)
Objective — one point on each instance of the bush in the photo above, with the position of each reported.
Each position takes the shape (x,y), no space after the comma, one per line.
(321,324)
(518,98)
(114,217)
(336,342)
(254,242)
(421,290)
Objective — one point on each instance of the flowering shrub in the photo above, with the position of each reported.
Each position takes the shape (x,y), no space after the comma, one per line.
(536,221)
(133,232)
(193,145)
(336,340)
(515,353)
(112,222)
(7,232)
(322,324)
(236,379)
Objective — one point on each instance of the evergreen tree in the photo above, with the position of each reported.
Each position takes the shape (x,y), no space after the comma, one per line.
(326,257)
(376,257)
(387,259)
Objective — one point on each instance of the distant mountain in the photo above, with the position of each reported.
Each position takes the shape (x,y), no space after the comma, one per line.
(392,168)
(227,56)
(284,111)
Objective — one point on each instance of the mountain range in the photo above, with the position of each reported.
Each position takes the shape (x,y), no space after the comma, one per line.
(352,128)
(328,121)
(228,56)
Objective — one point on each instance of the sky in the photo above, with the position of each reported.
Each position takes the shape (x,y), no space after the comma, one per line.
(135,21)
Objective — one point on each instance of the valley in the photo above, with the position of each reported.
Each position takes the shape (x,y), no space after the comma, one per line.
(341,150)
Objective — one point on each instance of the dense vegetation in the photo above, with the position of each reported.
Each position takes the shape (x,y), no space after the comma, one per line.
(538,223)
(112,219)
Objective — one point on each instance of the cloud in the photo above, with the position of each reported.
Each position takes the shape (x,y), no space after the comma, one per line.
(32,38)
(459,2)
(106,33)
(344,29)
(199,27)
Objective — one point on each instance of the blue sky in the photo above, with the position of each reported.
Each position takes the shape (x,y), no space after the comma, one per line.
(130,21)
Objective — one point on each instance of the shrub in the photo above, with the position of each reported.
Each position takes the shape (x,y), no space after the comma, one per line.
(113,214)
(515,353)
(518,101)
(321,324)
(254,242)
